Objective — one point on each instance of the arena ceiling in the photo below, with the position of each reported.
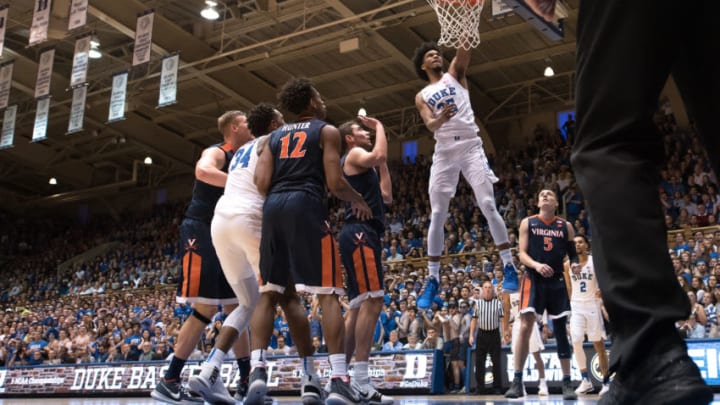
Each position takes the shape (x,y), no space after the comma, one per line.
(237,61)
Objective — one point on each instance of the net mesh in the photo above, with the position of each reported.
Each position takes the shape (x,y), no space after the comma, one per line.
(459,22)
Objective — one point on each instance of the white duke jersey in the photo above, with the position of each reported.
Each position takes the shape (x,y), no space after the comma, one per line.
(584,285)
(241,195)
(449,91)
(514,305)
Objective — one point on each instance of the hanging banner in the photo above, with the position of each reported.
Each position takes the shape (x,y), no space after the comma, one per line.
(8,127)
(3,22)
(499,8)
(78,14)
(117,97)
(44,74)
(41,119)
(6,71)
(77,110)
(80,61)
(143,38)
(40,22)
(168,80)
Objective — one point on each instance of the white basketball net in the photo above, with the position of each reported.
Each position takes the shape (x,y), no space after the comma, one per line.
(459,22)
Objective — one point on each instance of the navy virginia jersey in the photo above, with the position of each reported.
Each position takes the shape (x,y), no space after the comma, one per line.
(548,242)
(298,158)
(367,184)
(206,196)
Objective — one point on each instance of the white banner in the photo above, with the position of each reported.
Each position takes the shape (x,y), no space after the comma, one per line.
(80,61)
(168,80)
(116,111)
(41,119)
(40,21)
(44,74)
(143,39)
(77,110)
(8,127)
(499,8)
(3,24)
(6,72)
(78,14)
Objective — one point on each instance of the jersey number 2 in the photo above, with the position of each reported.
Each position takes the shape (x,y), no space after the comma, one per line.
(299,149)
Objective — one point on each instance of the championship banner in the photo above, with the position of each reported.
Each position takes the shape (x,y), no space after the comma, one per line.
(499,8)
(406,371)
(78,14)
(8,127)
(80,61)
(116,111)
(41,119)
(77,109)
(143,38)
(3,24)
(44,74)
(6,72)
(168,81)
(40,22)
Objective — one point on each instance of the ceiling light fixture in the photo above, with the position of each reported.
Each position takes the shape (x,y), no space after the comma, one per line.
(52,181)
(94,52)
(209,12)
(549,72)
(148,160)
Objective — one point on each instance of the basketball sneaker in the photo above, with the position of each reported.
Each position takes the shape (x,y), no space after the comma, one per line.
(516,389)
(241,391)
(426,299)
(543,389)
(210,385)
(257,387)
(510,283)
(585,387)
(310,390)
(342,393)
(568,391)
(369,395)
(172,392)
(604,389)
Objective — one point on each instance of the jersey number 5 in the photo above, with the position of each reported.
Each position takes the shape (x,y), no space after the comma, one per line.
(547,244)
(298,151)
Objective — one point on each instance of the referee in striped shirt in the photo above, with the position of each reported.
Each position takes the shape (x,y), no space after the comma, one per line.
(487,312)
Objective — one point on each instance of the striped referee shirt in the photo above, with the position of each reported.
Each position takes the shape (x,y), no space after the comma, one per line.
(488,313)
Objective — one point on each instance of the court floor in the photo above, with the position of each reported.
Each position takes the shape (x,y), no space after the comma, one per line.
(399,400)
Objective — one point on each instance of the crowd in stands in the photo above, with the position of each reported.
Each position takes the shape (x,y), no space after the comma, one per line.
(120,305)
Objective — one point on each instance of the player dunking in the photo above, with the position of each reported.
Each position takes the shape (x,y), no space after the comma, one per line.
(444,106)
(297,247)
(545,241)
(202,282)
(360,247)
(586,318)
(235,232)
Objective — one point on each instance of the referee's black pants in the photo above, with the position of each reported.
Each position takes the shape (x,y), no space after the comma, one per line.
(488,341)
(625,52)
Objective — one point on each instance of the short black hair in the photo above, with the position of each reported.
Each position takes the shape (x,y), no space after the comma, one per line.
(346,129)
(260,118)
(296,94)
(419,55)
(584,238)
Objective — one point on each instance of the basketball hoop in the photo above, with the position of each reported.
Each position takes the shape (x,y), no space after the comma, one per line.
(459,22)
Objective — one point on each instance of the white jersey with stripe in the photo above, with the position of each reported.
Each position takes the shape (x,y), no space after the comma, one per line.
(449,91)
(241,195)
(584,284)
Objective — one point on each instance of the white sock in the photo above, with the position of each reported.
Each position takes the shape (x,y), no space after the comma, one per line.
(338,365)
(215,358)
(309,365)
(434,270)
(257,358)
(506,257)
(361,373)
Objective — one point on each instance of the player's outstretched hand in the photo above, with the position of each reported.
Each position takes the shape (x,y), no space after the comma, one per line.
(369,122)
(361,210)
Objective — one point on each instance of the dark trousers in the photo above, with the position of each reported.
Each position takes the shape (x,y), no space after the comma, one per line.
(488,341)
(626,50)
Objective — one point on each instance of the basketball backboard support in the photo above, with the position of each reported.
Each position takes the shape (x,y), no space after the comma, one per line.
(554,31)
